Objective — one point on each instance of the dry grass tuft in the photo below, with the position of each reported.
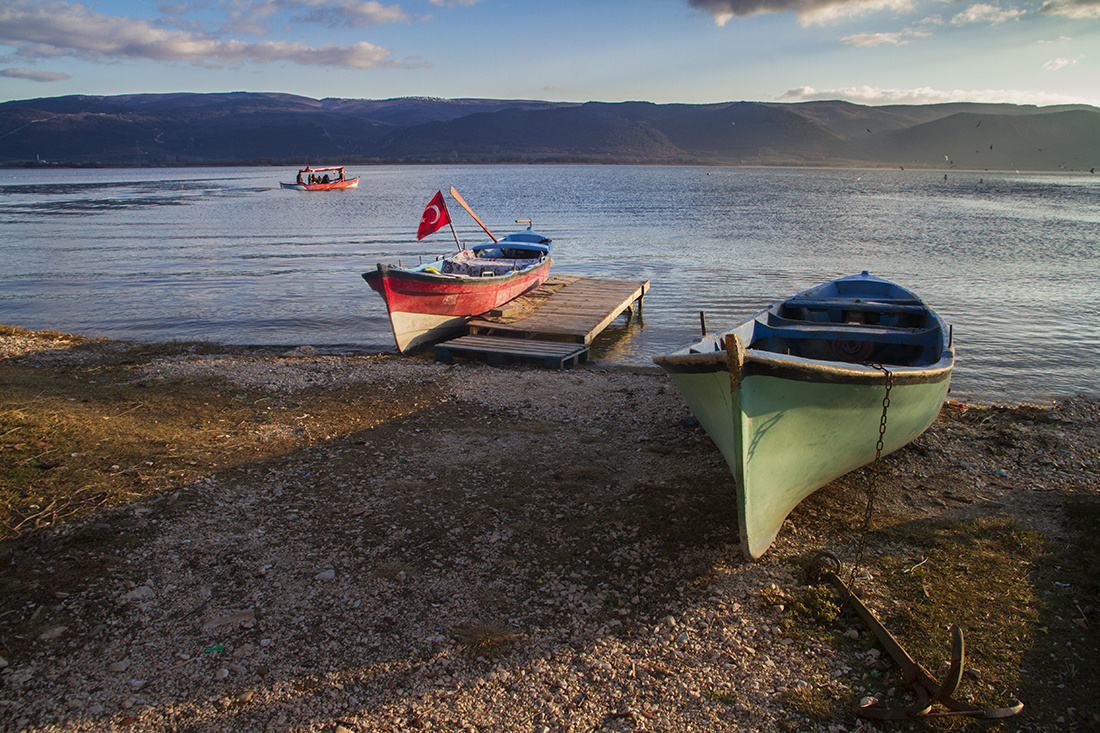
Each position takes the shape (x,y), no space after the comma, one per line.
(487,638)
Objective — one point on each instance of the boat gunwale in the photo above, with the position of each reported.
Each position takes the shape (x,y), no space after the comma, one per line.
(401,273)
(761,363)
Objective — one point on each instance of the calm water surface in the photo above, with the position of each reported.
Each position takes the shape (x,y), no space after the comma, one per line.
(1011,260)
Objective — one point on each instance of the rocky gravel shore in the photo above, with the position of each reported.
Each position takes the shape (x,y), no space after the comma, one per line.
(516,550)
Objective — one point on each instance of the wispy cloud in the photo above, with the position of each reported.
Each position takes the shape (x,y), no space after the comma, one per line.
(1060,63)
(30,75)
(988,14)
(345,13)
(898,38)
(53,29)
(1075,9)
(808,12)
(926,95)
(875,39)
(253,17)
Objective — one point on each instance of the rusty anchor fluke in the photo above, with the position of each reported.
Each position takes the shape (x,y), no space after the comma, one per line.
(928,690)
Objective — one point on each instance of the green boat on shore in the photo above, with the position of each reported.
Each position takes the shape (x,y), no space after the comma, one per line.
(795,396)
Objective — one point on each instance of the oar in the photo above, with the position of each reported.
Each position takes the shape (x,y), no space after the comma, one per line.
(471,213)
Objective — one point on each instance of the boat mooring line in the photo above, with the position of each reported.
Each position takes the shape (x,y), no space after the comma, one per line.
(872,489)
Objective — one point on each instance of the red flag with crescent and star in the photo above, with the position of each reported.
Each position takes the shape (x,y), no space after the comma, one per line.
(434,218)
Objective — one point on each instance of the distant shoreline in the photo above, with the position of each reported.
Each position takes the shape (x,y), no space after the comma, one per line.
(418,164)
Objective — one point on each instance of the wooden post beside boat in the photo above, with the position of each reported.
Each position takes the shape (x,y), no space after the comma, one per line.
(735,358)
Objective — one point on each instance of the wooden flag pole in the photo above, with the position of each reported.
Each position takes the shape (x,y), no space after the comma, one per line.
(471,213)
(452,225)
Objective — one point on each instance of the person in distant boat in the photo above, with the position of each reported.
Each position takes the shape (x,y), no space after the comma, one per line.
(324,179)
(299,178)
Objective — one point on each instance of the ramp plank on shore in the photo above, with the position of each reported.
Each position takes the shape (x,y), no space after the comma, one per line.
(503,350)
(575,312)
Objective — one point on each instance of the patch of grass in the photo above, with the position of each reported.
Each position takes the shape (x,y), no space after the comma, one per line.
(487,639)
(815,703)
(85,428)
(806,609)
(396,570)
(726,698)
(974,574)
(94,430)
(47,335)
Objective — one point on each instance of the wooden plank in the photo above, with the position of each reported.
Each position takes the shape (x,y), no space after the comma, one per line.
(498,350)
(578,312)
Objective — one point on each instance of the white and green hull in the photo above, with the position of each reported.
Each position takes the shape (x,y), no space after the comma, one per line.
(783,439)
(793,397)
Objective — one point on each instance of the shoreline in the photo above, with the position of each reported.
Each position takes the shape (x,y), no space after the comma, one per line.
(395,544)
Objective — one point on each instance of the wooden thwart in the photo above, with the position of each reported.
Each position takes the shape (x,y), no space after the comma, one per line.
(503,350)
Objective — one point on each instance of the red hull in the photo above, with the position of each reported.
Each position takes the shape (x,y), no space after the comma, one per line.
(418,292)
(425,307)
(349,183)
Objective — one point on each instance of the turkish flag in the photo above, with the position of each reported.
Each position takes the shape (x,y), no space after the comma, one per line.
(434,218)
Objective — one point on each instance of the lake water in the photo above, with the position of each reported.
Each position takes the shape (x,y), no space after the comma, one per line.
(1010,260)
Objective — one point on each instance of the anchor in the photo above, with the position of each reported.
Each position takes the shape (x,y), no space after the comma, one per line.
(928,690)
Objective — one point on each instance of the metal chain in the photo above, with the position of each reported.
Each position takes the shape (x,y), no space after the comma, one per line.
(872,489)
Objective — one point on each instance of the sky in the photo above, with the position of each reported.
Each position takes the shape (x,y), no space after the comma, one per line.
(871,52)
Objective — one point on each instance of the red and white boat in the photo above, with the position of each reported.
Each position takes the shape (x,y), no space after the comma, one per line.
(321,179)
(435,300)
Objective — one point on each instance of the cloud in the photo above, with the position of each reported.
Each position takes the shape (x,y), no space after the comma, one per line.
(349,13)
(30,75)
(899,38)
(1075,9)
(808,12)
(985,13)
(926,95)
(874,39)
(1060,63)
(253,17)
(54,29)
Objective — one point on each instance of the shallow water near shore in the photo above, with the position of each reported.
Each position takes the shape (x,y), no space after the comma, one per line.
(1010,260)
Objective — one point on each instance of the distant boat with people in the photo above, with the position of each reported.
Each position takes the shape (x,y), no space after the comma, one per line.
(321,179)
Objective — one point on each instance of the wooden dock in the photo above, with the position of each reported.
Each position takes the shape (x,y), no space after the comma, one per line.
(575,312)
(553,324)
(497,350)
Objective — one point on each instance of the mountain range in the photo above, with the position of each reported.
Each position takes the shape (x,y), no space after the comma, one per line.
(247,128)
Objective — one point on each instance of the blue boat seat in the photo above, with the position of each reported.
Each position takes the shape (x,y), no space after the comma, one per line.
(859,304)
(846,332)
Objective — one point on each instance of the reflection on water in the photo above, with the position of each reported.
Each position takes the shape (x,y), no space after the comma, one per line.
(622,342)
(225,255)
